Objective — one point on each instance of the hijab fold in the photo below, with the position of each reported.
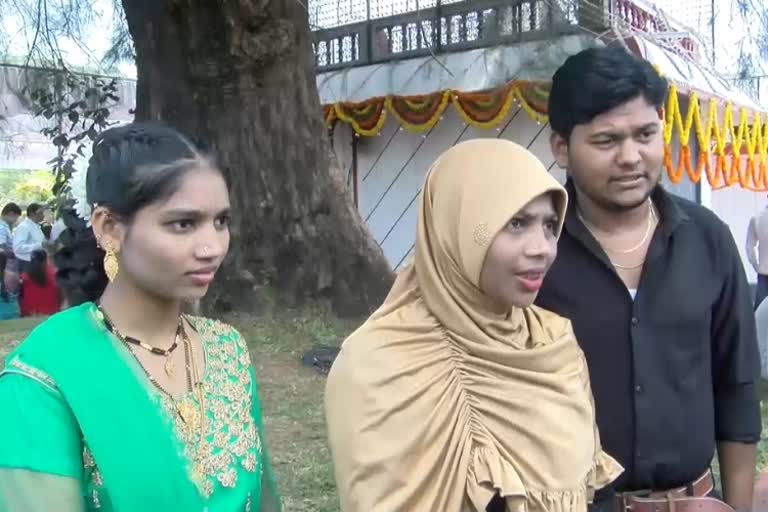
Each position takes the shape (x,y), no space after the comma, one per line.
(437,402)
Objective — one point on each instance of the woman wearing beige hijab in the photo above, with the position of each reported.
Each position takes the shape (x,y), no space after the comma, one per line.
(458,394)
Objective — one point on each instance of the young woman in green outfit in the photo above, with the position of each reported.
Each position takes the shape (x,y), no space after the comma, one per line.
(122,402)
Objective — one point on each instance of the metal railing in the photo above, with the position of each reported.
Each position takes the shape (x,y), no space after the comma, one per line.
(451,27)
(362,32)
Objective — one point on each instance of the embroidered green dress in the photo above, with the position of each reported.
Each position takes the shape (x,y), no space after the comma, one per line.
(83,428)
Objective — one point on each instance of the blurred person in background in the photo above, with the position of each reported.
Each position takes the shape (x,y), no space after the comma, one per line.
(9,287)
(756,247)
(39,294)
(8,219)
(28,236)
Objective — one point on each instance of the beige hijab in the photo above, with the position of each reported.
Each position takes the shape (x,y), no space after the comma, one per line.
(436,403)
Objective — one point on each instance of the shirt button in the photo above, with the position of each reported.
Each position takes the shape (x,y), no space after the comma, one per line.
(635,321)
(639,389)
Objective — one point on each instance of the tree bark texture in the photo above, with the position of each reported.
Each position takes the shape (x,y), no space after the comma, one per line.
(238,75)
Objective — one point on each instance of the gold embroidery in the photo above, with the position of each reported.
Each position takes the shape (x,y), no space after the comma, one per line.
(190,415)
(249,462)
(482,234)
(229,477)
(34,373)
(231,438)
(207,487)
(88,461)
(89,464)
(248,503)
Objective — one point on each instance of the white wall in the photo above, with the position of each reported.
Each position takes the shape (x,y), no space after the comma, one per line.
(392,166)
(735,206)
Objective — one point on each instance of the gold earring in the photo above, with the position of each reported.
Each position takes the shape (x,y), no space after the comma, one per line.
(111,267)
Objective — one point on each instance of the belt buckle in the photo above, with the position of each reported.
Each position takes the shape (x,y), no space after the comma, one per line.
(626,497)
(626,506)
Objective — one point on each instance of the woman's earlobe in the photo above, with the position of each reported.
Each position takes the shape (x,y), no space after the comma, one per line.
(106,229)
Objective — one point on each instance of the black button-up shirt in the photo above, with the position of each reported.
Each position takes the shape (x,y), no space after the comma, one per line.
(675,370)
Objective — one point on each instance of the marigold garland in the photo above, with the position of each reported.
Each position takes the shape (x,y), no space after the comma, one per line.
(418,113)
(366,117)
(729,153)
(747,139)
(534,98)
(329,115)
(484,109)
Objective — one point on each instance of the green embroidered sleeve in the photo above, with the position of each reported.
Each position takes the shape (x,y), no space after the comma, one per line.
(41,446)
(38,430)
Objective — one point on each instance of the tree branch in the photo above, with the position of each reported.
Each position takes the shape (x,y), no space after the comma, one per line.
(45,24)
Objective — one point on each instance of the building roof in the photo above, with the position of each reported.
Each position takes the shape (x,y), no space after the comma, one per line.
(487,68)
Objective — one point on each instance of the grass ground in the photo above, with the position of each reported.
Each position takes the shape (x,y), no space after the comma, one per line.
(291,400)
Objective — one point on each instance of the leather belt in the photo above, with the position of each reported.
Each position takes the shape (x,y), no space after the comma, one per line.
(691,498)
(701,504)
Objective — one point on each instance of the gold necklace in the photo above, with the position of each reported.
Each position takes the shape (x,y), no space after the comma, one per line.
(169,366)
(198,386)
(627,267)
(642,262)
(186,407)
(191,414)
(194,416)
(648,227)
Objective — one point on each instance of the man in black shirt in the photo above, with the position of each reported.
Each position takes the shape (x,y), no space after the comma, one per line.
(657,294)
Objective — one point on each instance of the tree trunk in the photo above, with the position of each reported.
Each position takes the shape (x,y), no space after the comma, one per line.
(238,76)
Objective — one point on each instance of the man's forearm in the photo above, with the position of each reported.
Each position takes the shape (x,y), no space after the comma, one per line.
(737,472)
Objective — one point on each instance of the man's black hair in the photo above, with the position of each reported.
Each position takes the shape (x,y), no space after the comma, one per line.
(597,80)
(11,209)
(33,208)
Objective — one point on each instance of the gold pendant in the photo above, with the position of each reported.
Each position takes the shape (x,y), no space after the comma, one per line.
(170,368)
(197,476)
(189,413)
